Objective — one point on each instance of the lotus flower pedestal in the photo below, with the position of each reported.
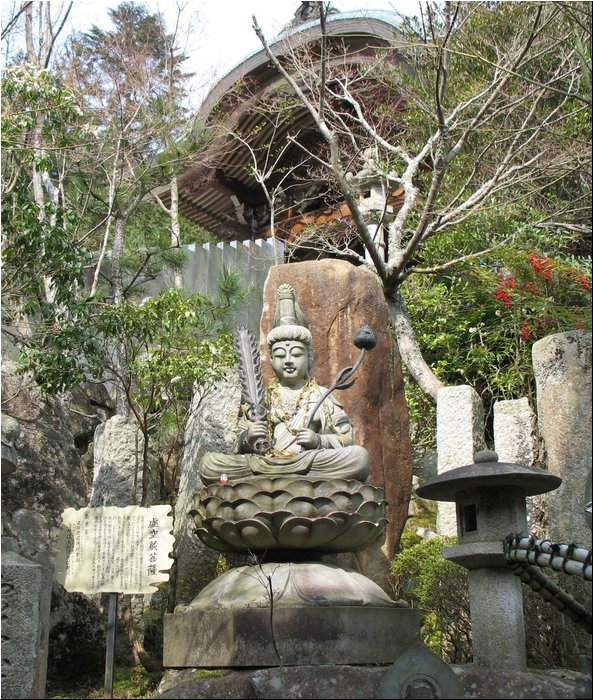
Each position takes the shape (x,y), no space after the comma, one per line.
(290,608)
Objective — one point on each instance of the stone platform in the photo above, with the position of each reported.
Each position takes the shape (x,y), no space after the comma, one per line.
(302,636)
(356,682)
(289,614)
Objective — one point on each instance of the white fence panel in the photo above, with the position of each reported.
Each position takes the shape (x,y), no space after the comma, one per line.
(204,265)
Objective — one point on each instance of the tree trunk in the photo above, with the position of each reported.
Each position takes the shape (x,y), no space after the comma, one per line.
(408,347)
(117,288)
(175,227)
(150,663)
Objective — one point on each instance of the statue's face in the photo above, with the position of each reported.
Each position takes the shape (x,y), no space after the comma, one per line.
(290,362)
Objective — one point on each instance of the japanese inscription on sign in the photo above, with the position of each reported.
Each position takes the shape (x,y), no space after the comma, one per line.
(112,549)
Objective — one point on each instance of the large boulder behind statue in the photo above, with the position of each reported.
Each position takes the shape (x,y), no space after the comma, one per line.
(338,299)
(49,476)
(48,479)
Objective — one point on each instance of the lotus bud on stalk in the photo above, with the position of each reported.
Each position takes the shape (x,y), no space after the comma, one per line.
(364,340)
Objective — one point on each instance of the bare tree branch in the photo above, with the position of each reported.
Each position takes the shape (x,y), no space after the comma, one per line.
(13,20)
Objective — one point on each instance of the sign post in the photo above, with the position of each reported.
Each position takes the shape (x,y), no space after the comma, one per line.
(110,645)
(114,550)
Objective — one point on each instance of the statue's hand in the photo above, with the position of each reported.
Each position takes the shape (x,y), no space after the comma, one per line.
(308,439)
(256,431)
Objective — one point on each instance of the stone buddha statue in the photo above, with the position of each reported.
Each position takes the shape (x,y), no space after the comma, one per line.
(304,437)
(294,490)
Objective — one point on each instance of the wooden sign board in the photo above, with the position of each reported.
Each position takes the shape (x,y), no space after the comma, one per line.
(115,549)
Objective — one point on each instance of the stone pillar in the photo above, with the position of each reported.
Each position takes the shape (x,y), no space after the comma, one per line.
(26,600)
(117,474)
(562,366)
(460,434)
(498,631)
(515,441)
(515,438)
(212,428)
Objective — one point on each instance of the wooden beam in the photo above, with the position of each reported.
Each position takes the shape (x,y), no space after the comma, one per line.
(230,186)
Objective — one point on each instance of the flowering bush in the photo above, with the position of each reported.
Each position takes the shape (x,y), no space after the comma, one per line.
(535,286)
(478,326)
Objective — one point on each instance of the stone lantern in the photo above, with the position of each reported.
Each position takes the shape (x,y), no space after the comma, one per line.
(372,199)
(490,501)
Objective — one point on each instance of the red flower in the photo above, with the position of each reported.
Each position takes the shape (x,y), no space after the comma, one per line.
(504,296)
(525,331)
(542,266)
(583,281)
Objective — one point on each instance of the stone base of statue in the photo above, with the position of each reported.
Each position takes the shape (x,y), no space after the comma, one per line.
(266,514)
(289,608)
(289,614)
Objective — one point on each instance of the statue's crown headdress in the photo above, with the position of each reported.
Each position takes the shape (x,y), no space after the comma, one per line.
(289,322)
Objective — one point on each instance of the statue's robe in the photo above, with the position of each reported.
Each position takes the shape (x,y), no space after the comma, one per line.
(336,456)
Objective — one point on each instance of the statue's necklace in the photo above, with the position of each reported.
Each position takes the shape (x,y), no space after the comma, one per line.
(288,403)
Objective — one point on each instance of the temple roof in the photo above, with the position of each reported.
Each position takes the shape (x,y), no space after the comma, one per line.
(362,23)
(218,190)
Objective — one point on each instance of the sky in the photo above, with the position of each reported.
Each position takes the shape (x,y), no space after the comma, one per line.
(220,31)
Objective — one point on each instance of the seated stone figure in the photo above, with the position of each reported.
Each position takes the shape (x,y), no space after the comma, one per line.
(318,446)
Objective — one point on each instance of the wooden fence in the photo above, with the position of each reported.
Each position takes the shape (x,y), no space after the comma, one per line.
(252,259)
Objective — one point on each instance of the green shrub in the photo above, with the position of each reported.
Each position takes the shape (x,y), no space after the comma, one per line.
(439,589)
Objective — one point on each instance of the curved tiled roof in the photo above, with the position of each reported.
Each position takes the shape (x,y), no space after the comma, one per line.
(217,191)
(367,22)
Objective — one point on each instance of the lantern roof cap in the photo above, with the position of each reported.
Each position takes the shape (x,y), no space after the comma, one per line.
(487,472)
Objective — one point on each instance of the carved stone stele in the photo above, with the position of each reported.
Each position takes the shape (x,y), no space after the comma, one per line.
(338,299)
